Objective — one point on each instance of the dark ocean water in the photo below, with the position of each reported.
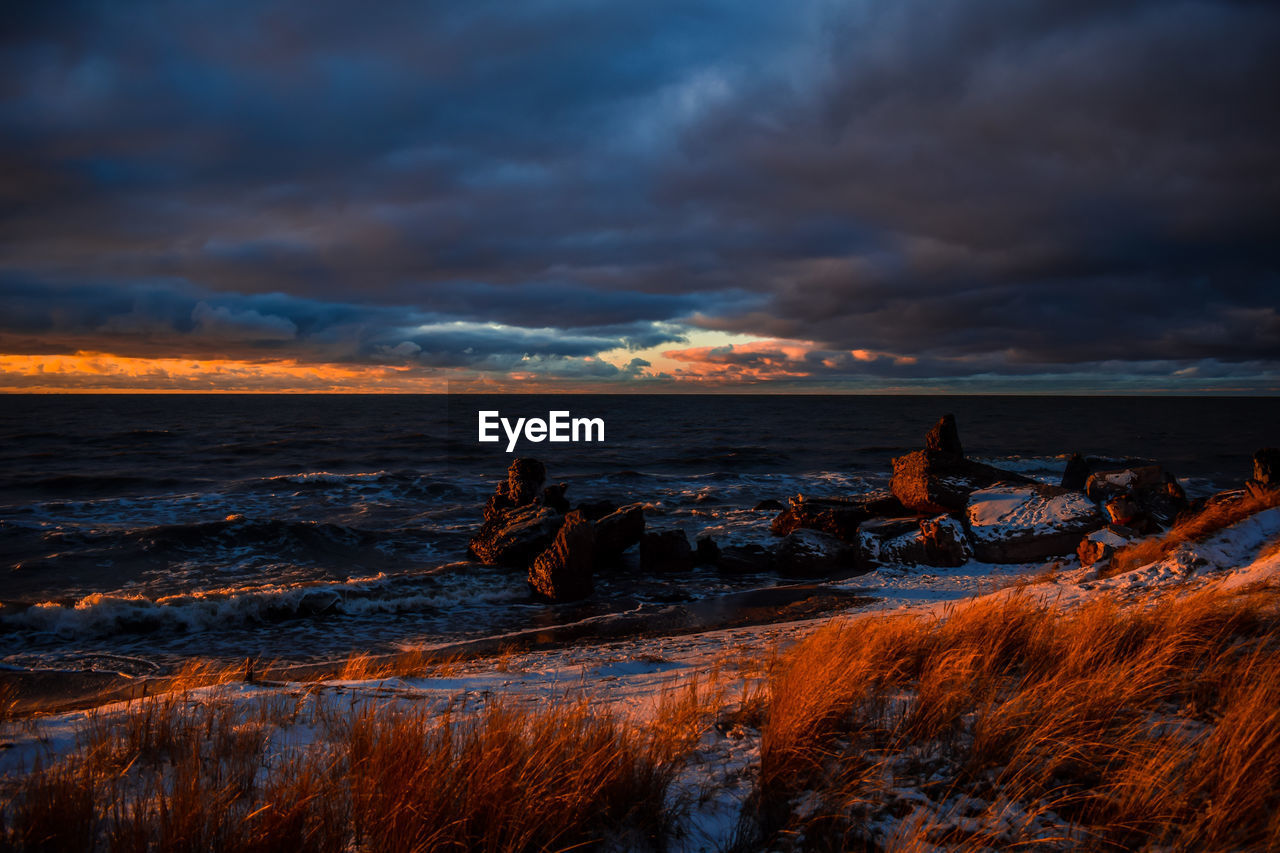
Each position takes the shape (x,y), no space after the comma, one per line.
(141,529)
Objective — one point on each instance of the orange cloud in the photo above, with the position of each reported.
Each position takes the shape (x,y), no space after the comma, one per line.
(101,372)
(771,360)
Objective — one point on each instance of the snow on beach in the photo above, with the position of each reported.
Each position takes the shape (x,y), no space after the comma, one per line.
(631,676)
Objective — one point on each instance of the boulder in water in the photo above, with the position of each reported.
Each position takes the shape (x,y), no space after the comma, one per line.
(563,572)
(618,531)
(522,487)
(744,559)
(706,552)
(812,553)
(515,536)
(665,551)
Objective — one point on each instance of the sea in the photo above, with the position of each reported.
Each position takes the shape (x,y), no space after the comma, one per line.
(137,531)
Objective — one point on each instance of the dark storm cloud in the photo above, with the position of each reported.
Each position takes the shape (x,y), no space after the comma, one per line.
(160,318)
(991,189)
(1059,182)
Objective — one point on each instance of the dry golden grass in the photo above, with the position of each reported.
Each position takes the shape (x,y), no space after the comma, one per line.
(1194,528)
(1014,722)
(187,771)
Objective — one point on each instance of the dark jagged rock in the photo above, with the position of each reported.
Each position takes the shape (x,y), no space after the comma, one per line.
(524,481)
(769,504)
(1266,473)
(563,572)
(596,510)
(553,496)
(1150,489)
(1077,473)
(1104,485)
(939,479)
(1122,510)
(1266,467)
(665,551)
(812,553)
(944,542)
(944,438)
(932,483)
(618,531)
(744,559)
(939,542)
(706,552)
(1023,524)
(1164,503)
(522,487)
(498,503)
(888,541)
(839,517)
(515,536)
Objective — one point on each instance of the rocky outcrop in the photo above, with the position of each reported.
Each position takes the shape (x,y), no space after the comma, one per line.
(563,572)
(929,483)
(1077,473)
(1101,544)
(1022,524)
(768,504)
(522,487)
(939,479)
(518,523)
(514,537)
(812,553)
(665,551)
(744,559)
(618,531)
(839,517)
(524,480)
(944,438)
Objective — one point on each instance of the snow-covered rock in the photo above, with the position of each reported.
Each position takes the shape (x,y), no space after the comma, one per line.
(1018,524)
(1101,544)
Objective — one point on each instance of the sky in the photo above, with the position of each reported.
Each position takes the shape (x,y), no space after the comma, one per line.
(1006,196)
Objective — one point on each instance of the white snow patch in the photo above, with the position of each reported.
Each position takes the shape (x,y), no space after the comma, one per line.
(998,513)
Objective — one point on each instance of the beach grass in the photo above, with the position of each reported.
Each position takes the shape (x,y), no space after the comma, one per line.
(1192,527)
(1012,722)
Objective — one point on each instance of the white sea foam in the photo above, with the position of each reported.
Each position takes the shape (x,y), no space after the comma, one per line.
(103,615)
